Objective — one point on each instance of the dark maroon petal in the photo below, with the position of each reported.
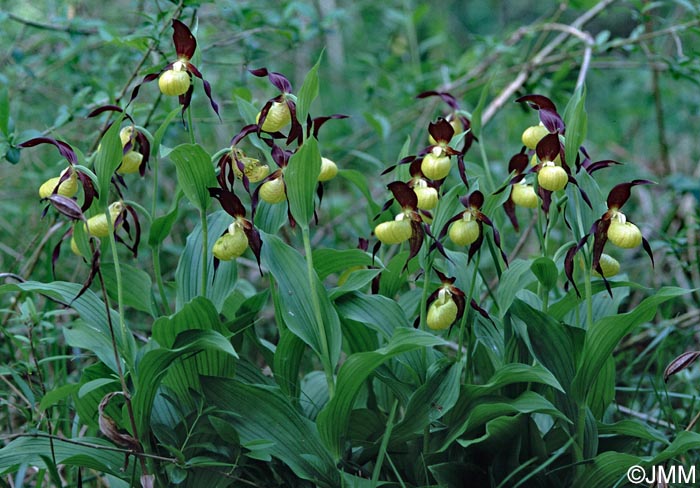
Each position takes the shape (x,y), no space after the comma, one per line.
(66,206)
(647,248)
(94,269)
(446,97)
(548,148)
(592,167)
(584,195)
(280,156)
(461,167)
(441,130)
(569,265)
(146,79)
(403,194)
(415,242)
(137,229)
(518,163)
(245,131)
(185,100)
(254,241)
(680,363)
(480,310)
(185,43)
(619,195)
(88,190)
(207,87)
(445,228)
(319,121)
(296,132)
(231,204)
(509,208)
(473,200)
(538,102)
(277,79)
(63,148)
(476,245)
(106,108)
(363,244)
(552,121)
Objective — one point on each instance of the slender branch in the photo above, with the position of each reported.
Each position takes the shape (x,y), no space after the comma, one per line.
(52,27)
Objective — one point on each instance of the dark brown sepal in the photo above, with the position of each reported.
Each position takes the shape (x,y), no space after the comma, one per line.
(63,148)
(680,363)
(184,41)
(403,194)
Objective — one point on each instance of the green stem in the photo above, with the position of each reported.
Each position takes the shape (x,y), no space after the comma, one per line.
(311,275)
(384,444)
(463,321)
(120,286)
(205,251)
(159,279)
(424,296)
(190,128)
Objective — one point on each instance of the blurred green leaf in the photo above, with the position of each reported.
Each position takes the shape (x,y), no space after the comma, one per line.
(545,270)
(576,121)
(109,157)
(136,286)
(308,92)
(4,111)
(161,226)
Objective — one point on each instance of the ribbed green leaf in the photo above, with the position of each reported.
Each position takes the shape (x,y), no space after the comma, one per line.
(270,217)
(355,281)
(290,271)
(161,226)
(632,428)
(604,335)
(262,412)
(308,92)
(576,121)
(314,393)
(160,132)
(545,271)
(513,279)
(195,173)
(328,261)
(301,178)
(108,159)
(608,469)
(333,420)
(189,268)
(375,311)
(29,450)
(136,286)
(202,351)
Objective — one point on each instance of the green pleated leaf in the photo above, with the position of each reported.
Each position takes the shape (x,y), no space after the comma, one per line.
(263,413)
(202,351)
(108,159)
(545,271)
(632,428)
(270,217)
(160,132)
(136,286)
(31,450)
(375,311)
(576,121)
(314,393)
(301,179)
(607,469)
(189,268)
(296,299)
(513,279)
(356,280)
(91,309)
(195,173)
(328,261)
(604,335)
(161,226)
(333,420)
(359,179)
(308,92)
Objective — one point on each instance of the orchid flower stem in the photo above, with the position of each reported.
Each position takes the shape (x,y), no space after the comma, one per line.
(155,251)
(205,251)
(190,128)
(463,322)
(426,287)
(311,275)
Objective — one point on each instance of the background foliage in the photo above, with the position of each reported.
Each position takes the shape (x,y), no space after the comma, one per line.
(61,59)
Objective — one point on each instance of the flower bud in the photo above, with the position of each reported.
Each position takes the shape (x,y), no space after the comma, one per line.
(328,170)
(442,312)
(230,245)
(272,191)
(277,117)
(524,195)
(394,231)
(126,134)
(97,225)
(608,265)
(464,232)
(68,188)
(552,178)
(436,165)
(427,195)
(624,234)
(131,162)
(534,134)
(176,81)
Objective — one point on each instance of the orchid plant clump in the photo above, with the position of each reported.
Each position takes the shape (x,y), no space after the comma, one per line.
(453,342)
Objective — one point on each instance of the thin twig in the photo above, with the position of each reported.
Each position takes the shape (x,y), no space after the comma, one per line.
(52,27)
